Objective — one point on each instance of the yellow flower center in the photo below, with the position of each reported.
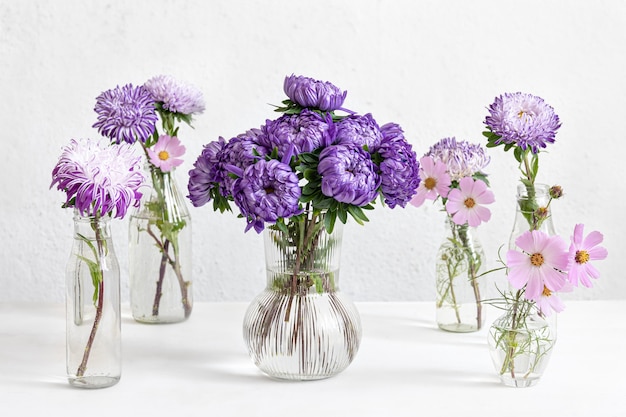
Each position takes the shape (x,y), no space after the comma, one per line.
(164,155)
(582,256)
(469,202)
(546,291)
(430,183)
(536,259)
(521,114)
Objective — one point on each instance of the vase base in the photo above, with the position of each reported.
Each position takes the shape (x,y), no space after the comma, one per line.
(93,382)
(159,319)
(520,382)
(458,327)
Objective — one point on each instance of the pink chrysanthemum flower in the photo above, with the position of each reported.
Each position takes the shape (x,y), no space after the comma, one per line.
(539,264)
(466,203)
(435,181)
(582,250)
(166,152)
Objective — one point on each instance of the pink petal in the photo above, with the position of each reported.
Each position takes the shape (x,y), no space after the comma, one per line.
(598,253)
(592,239)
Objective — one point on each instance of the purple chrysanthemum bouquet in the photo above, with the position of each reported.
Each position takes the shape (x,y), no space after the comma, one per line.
(130,114)
(307,168)
(100,182)
(453,171)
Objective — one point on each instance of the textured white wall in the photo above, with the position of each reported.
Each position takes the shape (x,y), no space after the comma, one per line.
(431,66)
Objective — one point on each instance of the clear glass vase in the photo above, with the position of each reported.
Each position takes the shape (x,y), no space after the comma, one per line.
(160,253)
(520,344)
(93,321)
(301,327)
(459,263)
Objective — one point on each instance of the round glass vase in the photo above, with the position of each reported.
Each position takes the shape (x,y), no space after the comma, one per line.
(160,253)
(521,343)
(458,266)
(301,327)
(93,320)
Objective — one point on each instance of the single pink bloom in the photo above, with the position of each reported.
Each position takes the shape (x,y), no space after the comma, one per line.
(581,252)
(466,203)
(166,152)
(548,301)
(435,181)
(539,264)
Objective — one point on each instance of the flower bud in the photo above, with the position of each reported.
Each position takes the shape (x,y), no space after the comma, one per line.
(556,191)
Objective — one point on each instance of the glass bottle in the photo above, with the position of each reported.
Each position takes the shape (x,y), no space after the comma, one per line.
(93,323)
(160,253)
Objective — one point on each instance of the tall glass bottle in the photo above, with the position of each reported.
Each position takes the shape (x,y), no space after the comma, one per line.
(93,324)
(160,253)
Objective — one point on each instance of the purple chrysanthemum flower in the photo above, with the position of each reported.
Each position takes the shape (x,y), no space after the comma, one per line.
(348,174)
(207,172)
(99,179)
(176,96)
(267,191)
(462,158)
(126,114)
(399,169)
(524,120)
(307,131)
(360,131)
(311,93)
(242,151)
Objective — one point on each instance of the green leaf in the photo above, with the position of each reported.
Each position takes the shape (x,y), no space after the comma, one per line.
(329,221)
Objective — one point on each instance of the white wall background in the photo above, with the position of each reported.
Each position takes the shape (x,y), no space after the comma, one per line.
(431,66)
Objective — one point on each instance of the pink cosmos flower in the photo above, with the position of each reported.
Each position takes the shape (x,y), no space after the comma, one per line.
(435,181)
(465,204)
(581,251)
(539,264)
(548,301)
(166,152)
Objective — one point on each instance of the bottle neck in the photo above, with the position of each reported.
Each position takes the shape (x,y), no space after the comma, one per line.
(92,227)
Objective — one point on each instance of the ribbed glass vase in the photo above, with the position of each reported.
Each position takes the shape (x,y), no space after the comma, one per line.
(301,327)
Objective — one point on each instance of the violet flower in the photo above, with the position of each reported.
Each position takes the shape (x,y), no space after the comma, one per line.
(462,158)
(175,96)
(348,175)
(311,93)
(267,191)
(524,120)
(98,178)
(399,168)
(307,131)
(206,174)
(126,114)
(362,131)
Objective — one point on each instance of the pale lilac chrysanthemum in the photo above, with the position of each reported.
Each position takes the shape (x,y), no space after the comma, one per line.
(307,131)
(539,264)
(311,93)
(466,203)
(524,120)
(435,181)
(267,191)
(99,179)
(207,173)
(548,301)
(583,250)
(399,168)
(126,114)
(175,96)
(348,175)
(462,158)
(362,131)
(166,153)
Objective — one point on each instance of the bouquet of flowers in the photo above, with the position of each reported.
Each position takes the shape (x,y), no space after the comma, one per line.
(129,114)
(302,171)
(453,171)
(100,182)
(540,265)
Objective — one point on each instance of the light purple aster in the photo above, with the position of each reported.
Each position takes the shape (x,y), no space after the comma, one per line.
(360,131)
(175,96)
(207,173)
(311,93)
(524,120)
(99,178)
(307,131)
(462,158)
(267,191)
(399,168)
(126,114)
(348,174)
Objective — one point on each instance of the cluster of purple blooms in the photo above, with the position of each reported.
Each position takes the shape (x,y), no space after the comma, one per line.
(308,155)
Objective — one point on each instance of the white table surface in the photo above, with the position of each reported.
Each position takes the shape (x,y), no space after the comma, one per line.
(405,367)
